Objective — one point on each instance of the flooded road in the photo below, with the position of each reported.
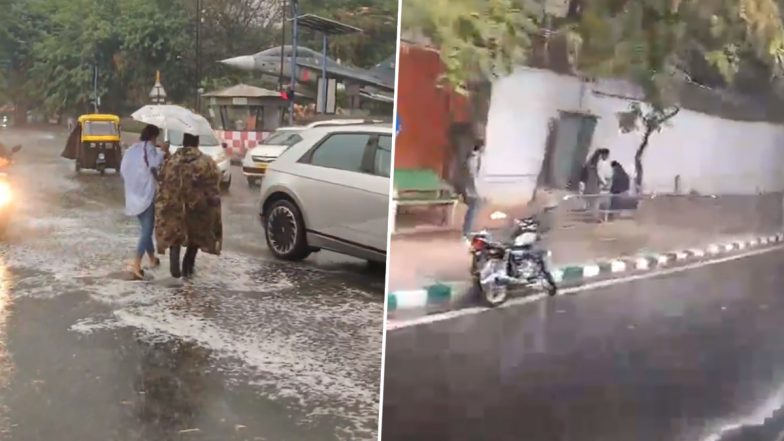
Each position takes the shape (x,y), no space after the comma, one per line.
(694,355)
(251,349)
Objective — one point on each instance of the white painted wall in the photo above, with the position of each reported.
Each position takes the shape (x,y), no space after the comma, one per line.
(711,155)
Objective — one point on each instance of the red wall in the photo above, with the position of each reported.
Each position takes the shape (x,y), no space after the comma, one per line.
(425,110)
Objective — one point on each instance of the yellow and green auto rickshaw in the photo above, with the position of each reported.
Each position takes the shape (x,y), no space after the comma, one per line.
(94,143)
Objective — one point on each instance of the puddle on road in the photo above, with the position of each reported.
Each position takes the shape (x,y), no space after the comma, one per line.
(296,333)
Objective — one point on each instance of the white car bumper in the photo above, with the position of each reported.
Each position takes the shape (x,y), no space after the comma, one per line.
(253,169)
(225,170)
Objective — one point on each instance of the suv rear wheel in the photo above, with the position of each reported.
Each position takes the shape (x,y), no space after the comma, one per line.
(285,231)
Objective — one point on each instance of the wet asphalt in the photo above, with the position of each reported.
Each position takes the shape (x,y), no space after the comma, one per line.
(691,356)
(251,349)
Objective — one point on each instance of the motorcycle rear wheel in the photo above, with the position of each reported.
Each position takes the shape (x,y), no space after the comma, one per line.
(546,279)
(491,293)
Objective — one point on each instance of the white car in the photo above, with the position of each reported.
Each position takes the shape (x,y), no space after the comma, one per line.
(257,159)
(330,191)
(209,145)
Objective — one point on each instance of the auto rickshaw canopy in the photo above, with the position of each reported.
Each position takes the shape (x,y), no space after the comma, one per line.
(100,128)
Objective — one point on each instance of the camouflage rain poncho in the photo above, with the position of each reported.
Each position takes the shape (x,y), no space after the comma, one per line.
(187,206)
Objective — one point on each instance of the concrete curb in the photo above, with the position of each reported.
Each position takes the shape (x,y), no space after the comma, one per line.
(444,294)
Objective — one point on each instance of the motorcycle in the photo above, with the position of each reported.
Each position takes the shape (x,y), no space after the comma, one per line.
(496,265)
(7,198)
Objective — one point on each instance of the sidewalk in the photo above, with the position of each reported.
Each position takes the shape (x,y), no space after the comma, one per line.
(662,226)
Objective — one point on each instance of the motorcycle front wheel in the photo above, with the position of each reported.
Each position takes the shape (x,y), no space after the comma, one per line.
(491,292)
(548,283)
(547,279)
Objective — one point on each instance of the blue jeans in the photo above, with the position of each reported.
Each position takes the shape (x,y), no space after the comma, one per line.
(468,222)
(147,221)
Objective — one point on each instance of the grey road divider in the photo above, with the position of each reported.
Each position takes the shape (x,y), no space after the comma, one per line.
(448,295)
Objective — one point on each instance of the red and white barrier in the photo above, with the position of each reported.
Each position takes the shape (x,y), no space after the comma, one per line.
(238,143)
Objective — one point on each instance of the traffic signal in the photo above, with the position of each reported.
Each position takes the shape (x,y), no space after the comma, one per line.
(287,94)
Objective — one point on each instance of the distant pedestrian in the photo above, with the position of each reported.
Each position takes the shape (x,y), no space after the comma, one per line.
(619,189)
(188,207)
(620,183)
(605,171)
(596,179)
(472,165)
(139,168)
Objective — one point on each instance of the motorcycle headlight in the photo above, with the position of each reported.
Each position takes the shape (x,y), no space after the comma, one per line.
(6,194)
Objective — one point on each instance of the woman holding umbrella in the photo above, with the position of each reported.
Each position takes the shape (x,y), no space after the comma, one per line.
(139,168)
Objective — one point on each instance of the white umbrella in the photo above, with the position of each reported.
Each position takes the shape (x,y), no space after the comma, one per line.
(166,116)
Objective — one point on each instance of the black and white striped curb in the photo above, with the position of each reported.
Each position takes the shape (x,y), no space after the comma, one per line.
(441,293)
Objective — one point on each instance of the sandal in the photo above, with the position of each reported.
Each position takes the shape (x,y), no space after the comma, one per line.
(155,263)
(137,275)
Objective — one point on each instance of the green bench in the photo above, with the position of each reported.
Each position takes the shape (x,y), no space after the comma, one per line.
(422,188)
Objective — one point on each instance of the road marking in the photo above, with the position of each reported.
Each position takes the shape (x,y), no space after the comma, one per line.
(697,253)
(681,255)
(408,299)
(435,318)
(590,271)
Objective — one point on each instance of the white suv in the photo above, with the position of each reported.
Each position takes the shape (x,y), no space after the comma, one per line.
(330,191)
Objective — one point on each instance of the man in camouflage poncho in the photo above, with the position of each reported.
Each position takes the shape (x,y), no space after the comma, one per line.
(188,207)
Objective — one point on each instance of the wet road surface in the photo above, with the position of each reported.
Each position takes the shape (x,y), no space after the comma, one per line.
(692,356)
(251,349)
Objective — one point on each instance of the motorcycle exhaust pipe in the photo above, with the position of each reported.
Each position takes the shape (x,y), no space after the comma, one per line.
(501,279)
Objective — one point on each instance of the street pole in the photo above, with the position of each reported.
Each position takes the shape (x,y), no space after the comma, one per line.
(95,87)
(198,55)
(324,70)
(282,43)
(546,21)
(294,43)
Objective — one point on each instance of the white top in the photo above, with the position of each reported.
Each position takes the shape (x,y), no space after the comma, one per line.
(138,177)
(605,171)
(473,173)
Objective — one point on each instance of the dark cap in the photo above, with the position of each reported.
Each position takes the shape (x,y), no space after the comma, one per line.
(189,140)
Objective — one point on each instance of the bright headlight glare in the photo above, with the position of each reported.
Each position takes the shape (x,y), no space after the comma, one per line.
(6,194)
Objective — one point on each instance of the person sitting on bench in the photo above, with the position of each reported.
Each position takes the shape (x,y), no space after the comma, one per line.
(619,189)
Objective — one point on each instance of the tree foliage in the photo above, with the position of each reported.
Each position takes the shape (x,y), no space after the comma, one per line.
(52,46)
(376,18)
(477,39)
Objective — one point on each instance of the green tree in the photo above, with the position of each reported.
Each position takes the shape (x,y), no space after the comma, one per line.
(53,45)
(478,41)
(376,18)
(21,26)
(647,41)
